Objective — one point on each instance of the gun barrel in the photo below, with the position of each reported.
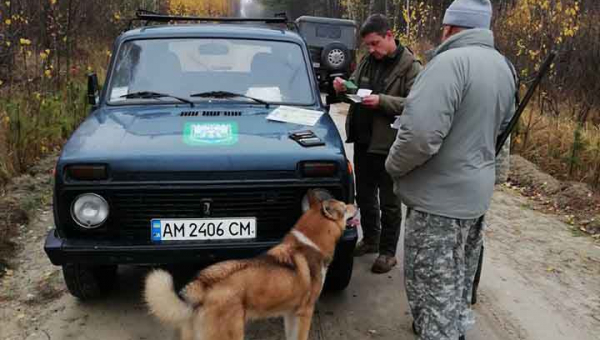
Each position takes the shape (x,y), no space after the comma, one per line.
(523,104)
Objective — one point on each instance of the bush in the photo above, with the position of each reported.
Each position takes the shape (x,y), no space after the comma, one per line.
(33,125)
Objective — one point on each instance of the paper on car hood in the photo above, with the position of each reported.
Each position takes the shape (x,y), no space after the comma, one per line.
(295,115)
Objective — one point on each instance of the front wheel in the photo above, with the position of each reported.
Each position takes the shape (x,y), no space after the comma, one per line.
(88,282)
(339,273)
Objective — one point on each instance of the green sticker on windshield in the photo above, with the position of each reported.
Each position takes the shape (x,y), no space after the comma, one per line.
(210,134)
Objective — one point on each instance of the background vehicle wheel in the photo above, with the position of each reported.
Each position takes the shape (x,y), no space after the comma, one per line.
(339,273)
(89,282)
(335,57)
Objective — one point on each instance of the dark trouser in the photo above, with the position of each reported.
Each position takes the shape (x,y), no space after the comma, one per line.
(380,208)
(440,261)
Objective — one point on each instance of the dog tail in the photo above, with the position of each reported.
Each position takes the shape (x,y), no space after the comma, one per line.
(162,300)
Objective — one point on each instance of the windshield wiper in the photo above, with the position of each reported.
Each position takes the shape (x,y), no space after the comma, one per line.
(152,95)
(227,94)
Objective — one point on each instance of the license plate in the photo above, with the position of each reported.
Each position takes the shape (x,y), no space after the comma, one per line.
(203,229)
(316,64)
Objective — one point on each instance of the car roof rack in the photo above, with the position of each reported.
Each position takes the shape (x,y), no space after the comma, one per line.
(145,17)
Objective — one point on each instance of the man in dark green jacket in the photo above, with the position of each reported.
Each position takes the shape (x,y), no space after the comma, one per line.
(389,72)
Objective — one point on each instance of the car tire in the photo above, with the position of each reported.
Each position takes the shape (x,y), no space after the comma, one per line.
(339,273)
(89,282)
(335,57)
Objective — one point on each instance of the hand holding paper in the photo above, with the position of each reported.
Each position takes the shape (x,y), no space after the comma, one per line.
(371,101)
(339,85)
(359,96)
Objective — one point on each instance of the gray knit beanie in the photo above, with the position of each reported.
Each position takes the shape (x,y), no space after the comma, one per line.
(469,14)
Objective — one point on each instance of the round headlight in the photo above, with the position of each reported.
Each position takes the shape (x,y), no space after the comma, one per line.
(89,210)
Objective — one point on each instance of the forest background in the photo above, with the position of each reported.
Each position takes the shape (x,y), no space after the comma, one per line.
(47,47)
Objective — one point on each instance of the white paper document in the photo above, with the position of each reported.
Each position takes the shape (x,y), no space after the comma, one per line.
(360,94)
(117,92)
(290,114)
(270,94)
(363,92)
(396,124)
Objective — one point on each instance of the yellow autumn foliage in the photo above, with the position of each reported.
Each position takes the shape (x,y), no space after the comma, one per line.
(209,8)
(416,22)
(520,31)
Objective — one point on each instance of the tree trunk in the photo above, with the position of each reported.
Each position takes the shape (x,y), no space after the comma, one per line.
(387,8)
(408,22)
(68,35)
(371,6)
(10,50)
(43,32)
(163,6)
(397,13)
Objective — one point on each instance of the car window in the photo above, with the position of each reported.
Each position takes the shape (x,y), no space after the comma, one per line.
(327,31)
(270,70)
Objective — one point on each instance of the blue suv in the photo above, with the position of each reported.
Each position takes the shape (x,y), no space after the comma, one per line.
(178,161)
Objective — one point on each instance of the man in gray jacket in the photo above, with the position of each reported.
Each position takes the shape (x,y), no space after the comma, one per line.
(443,166)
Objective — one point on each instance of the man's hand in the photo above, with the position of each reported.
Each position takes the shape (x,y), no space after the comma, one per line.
(371,101)
(338,85)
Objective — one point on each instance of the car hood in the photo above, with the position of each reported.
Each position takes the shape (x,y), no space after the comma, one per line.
(174,139)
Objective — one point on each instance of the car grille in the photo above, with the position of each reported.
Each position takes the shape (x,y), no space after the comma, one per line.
(276,209)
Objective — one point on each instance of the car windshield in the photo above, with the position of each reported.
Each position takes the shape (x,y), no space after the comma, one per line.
(272,71)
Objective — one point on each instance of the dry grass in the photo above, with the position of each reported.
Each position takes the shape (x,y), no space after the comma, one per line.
(549,142)
(5,166)
(37,116)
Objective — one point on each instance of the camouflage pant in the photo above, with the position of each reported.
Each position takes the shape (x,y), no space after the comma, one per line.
(441,257)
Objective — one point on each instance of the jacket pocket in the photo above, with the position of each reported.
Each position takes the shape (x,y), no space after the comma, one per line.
(383,134)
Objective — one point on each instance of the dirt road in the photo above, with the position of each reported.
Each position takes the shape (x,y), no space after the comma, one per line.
(541,280)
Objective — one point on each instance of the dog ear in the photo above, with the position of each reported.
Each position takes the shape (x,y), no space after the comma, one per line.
(350,211)
(313,199)
(318,195)
(333,210)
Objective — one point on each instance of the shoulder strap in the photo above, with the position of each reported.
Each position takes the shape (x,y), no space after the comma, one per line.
(513,70)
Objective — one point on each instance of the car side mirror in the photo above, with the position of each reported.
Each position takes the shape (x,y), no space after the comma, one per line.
(93,96)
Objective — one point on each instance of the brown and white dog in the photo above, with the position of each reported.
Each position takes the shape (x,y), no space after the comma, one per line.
(286,281)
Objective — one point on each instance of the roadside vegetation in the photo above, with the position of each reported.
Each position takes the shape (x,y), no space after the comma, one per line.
(48,47)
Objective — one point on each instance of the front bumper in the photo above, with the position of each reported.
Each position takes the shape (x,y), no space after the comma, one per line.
(90,251)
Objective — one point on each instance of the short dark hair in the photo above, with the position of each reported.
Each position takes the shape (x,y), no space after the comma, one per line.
(376,23)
